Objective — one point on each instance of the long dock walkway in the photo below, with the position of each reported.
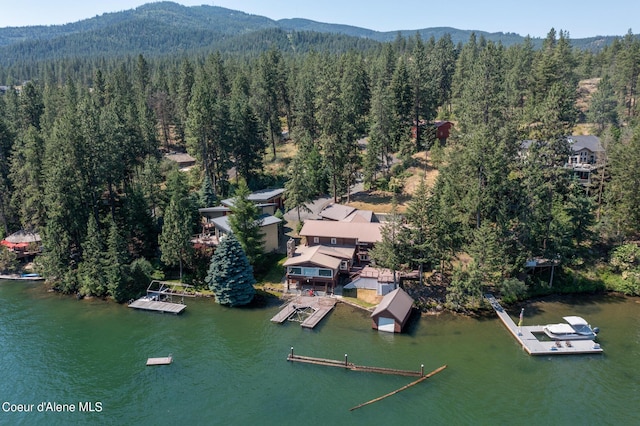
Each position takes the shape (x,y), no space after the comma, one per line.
(351,366)
(308,310)
(530,343)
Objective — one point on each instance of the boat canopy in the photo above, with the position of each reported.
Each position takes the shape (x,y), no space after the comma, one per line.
(573,320)
(561,329)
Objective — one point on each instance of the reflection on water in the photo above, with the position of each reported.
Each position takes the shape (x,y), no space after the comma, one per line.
(230,365)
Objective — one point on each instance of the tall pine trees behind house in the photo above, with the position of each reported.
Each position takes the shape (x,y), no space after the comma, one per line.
(81,144)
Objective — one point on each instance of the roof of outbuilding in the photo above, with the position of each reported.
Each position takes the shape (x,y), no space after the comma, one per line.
(398,303)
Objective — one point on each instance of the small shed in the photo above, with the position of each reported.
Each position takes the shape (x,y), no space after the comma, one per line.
(393,312)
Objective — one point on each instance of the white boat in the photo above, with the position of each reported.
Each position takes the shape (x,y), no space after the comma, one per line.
(575,328)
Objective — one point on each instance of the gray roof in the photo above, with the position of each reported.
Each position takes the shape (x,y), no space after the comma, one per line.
(265,195)
(214,209)
(336,211)
(365,283)
(590,142)
(222,222)
(397,303)
(23,236)
(262,196)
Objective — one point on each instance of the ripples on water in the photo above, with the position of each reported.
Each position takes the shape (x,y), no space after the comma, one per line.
(230,368)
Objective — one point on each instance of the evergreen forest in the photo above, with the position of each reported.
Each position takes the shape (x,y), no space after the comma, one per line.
(82,142)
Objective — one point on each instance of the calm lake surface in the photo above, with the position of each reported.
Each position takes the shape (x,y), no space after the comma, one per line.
(230,366)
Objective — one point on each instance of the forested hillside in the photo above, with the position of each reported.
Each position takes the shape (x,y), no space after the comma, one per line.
(81,143)
(170,29)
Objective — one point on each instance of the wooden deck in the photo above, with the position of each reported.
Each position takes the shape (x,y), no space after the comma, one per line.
(157,306)
(530,343)
(160,361)
(320,307)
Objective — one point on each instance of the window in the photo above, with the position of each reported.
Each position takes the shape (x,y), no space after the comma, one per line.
(334,241)
(310,272)
(316,240)
(344,265)
(295,270)
(325,272)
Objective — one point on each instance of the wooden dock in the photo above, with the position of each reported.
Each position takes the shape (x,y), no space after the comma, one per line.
(351,366)
(160,361)
(157,306)
(530,343)
(308,310)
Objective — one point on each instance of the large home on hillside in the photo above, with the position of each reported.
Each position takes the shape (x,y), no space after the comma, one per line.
(215,220)
(587,155)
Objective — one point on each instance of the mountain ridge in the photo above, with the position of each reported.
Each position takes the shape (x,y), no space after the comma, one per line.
(166,26)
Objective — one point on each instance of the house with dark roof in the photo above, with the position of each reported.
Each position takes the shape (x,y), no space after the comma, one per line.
(587,155)
(393,312)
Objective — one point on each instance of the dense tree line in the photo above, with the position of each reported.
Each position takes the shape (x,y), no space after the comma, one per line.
(80,153)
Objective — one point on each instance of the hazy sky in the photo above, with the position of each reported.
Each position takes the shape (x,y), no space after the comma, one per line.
(581,18)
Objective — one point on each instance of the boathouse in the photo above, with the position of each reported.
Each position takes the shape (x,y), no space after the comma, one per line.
(393,312)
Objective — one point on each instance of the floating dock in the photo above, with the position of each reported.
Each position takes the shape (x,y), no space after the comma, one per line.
(530,343)
(307,310)
(159,297)
(160,361)
(351,366)
(157,306)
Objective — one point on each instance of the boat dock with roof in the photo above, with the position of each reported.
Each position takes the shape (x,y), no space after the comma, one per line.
(159,297)
(530,343)
(307,310)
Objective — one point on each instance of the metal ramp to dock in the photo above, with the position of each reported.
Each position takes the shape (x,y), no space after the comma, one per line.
(159,297)
(307,310)
(533,346)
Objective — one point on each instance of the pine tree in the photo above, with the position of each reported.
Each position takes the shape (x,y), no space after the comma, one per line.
(230,275)
(419,224)
(390,251)
(116,265)
(245,224)
(175,239)
(206,196)
(248,143)
(297,186)
(92,271)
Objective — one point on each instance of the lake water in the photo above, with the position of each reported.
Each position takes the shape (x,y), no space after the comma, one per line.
(230,366)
